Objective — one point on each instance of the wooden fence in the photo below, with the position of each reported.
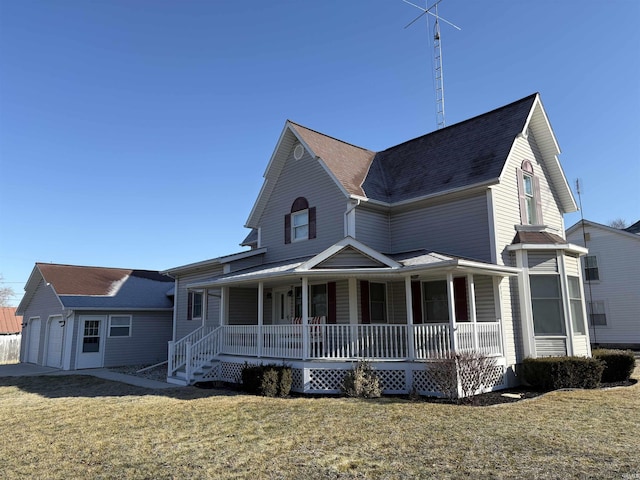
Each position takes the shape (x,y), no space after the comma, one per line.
(10,348)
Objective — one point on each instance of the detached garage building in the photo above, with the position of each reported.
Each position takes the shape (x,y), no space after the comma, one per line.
(78,317)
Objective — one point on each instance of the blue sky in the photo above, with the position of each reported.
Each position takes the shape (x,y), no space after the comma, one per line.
(135,133)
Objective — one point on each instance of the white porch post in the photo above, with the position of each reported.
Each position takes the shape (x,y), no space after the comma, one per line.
(224,301)
(205,306)
(452,313)
(566,308)
(471,289)
(410,333)
(260,317)
(305,318)
(353,316)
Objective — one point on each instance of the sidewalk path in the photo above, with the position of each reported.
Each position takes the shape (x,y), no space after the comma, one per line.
(29,370)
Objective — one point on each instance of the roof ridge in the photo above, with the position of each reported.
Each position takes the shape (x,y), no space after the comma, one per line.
(462,122)
(331,137)
(94,267)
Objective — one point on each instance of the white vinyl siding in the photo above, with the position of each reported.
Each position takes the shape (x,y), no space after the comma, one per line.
(506,199)
(457,227)
(373,229)
(551,347)
(618,256)
(147,343)
(43,304)
(302,178)
(342,301)
(485,299)
(183,326)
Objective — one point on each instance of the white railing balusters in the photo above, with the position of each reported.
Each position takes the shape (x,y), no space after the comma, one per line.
(177,350)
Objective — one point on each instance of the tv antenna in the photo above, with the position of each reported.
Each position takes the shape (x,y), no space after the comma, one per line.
(587,280)
(437,55)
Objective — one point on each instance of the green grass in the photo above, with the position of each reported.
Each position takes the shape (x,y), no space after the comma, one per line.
(83,427)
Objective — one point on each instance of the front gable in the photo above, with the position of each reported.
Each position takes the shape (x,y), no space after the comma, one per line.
(349,253)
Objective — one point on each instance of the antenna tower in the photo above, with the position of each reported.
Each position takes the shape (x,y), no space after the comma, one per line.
(588,280)
(438,75)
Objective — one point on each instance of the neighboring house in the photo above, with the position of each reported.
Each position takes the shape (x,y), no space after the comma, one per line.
(87,317)
(450,242)
(10,335)
(612,285)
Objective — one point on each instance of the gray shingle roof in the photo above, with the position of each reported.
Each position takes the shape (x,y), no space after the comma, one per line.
(470,152)
(101,287)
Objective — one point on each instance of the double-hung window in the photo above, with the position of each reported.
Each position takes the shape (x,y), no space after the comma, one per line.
(120,326)
(546,302)
(378,302)
(194,306)
(591,268)
(300,223)
(575,301)
(597,314)
(317,300)
(529,192)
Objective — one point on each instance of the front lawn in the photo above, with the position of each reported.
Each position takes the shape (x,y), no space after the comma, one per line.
(63,427)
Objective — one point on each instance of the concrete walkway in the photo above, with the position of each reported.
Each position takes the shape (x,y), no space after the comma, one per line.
(30,370)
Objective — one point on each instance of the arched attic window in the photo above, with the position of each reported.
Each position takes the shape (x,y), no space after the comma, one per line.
(300,224)
(529,194)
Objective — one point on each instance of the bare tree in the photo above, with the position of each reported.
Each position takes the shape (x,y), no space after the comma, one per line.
(5,293)
(618,223)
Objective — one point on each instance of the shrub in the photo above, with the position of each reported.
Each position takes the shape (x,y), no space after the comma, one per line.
(551,373)
(267,380)
(618,364)
(470,372)
(361,382)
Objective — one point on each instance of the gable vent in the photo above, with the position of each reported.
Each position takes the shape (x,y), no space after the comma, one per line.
(298,152)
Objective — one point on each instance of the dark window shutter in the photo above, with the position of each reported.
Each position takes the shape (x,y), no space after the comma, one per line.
(332,306)
(287,228)
(189,306)
(364,301)
(523,202)
(536,195)
(460,298)
(416,302)
(312,222)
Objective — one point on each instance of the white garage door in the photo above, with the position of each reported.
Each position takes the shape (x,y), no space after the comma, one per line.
(54,342)
(34,340)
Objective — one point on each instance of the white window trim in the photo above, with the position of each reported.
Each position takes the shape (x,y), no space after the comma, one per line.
(120,326)
(529,197)
(293,226)
(605,306)
(583,262)
(201,293)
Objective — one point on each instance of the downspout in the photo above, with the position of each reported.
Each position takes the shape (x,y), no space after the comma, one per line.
(346,217)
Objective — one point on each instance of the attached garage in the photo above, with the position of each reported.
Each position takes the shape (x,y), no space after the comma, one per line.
(94,317)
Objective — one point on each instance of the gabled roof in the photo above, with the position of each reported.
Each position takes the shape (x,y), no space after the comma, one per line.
(469,154)
(615,231)
(348,163)
(82,287)
(9,321)
(357,255)
(635,228)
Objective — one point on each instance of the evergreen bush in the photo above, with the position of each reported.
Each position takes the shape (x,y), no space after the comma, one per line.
(551,373)
(618,364)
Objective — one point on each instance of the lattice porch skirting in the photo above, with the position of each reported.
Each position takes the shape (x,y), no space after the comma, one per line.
(326,377)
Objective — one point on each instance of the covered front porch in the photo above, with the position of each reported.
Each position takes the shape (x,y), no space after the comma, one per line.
(417,308)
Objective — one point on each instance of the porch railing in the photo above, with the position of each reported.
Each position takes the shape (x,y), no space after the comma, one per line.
(348,342)
(177,358)
(202,352)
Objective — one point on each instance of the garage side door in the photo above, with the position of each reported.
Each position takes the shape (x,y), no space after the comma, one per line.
(54,342)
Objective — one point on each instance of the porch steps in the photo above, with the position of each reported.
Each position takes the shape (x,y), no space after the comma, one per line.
(203,374)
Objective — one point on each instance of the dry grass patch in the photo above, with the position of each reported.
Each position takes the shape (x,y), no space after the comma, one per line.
(84,427)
